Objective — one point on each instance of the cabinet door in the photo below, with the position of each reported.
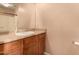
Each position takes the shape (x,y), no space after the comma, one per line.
(29,46)
(1,49)
(34,45)
(13,48)
(40,42)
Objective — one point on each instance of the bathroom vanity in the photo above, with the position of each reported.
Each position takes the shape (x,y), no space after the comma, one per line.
(24,37)
(31,45)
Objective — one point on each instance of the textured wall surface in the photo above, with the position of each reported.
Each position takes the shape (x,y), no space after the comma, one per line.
(62,24)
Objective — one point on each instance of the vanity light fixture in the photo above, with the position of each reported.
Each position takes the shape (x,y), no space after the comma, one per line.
(7,4)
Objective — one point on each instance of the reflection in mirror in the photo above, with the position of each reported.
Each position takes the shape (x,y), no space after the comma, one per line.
(26,16)
(7,18)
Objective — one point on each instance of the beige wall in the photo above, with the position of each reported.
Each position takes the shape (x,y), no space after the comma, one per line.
(62,24)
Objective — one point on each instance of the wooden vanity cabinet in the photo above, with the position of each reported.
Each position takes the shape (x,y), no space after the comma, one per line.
(40,39)
(1,49)
(34,45)
(13,48)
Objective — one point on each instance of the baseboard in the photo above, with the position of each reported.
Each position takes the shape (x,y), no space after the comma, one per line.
(46,53)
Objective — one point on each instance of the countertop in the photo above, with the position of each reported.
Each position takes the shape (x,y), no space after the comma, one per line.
(12,37)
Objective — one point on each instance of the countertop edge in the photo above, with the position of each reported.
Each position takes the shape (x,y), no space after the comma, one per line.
(36,33)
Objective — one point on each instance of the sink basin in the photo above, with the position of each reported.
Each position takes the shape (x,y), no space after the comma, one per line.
(25,33)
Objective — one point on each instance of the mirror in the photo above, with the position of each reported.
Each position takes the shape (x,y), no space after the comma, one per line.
(26,16)
(7,18)
(29,17)
(18,17)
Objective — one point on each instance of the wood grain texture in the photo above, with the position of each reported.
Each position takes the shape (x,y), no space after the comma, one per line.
(1,49)
(13,48)
(34,45)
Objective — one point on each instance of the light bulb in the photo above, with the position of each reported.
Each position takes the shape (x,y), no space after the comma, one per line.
(6,4)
